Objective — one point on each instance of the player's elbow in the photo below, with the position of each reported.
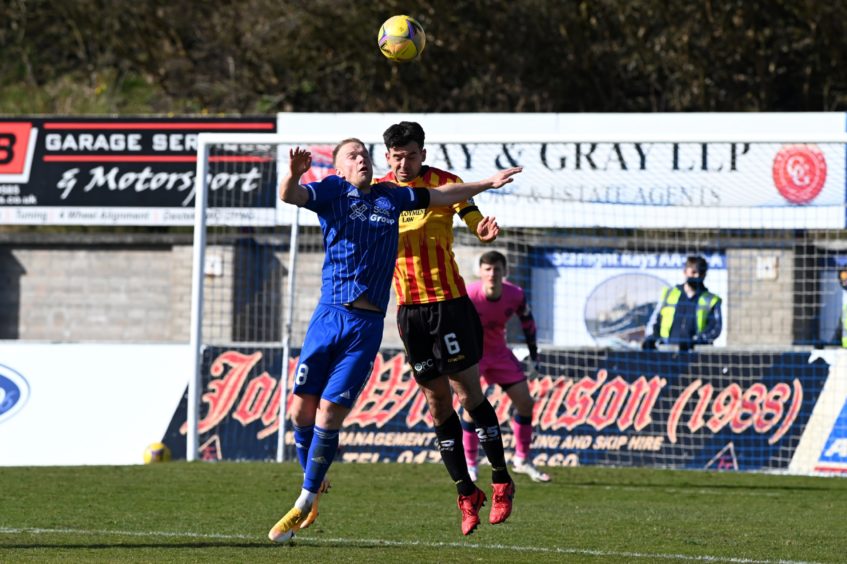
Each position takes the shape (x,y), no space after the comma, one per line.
(294,197)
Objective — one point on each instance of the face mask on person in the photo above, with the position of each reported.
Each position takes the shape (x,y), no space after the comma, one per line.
(695,282)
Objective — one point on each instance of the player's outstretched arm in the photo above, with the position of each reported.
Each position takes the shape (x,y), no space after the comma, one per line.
(290,190)
(458,192)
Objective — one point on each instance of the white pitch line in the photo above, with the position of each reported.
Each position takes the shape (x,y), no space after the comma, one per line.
(88,532)
(700,491)
(380,542)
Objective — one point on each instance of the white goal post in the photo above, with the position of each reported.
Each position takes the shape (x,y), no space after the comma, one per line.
(594,228)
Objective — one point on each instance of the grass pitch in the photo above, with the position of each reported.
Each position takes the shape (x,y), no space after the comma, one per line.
(199,512)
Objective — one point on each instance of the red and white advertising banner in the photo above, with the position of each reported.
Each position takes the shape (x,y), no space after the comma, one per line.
(123,171)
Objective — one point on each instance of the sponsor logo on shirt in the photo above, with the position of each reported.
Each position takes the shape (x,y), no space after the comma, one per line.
(377,218)
(359,211)
(383,212)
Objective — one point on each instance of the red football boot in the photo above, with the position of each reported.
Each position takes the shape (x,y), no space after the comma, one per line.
(470,506)
(501,506)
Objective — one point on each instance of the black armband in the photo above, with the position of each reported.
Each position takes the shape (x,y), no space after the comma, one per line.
(467,210)
(421,198)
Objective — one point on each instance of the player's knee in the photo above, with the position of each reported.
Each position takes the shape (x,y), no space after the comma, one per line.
(471,401)
(525,406)
(525,412)
(302,418)
(331,415)
(444,411)
(303,409)
(469,396)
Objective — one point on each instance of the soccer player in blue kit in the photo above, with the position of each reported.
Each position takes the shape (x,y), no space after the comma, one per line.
(360,225)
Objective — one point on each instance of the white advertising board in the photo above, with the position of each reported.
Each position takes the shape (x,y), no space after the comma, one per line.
(73,404)
(612,179)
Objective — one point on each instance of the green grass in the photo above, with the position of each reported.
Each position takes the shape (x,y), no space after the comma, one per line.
(200,512)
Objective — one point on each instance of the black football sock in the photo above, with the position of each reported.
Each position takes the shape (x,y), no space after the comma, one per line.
(488,431)
(449,435)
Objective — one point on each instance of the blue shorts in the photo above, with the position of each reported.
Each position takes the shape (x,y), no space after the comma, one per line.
(338,353)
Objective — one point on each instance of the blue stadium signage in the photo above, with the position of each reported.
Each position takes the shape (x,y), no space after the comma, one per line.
(833,457)
(743,411)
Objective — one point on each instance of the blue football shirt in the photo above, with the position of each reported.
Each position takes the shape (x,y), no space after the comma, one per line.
(360,234)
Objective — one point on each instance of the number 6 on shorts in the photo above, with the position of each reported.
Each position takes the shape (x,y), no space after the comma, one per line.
(452,343)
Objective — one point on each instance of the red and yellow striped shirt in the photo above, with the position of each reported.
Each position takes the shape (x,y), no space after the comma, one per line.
(426,269)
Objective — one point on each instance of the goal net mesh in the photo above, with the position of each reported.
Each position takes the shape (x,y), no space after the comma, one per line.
(593,232)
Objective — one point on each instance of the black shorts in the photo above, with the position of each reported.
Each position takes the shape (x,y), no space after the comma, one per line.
(440,338)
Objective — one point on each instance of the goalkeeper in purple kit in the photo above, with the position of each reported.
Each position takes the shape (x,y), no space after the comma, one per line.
(360,223)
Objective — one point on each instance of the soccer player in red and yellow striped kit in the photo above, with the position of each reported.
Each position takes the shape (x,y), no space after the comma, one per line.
(440,326)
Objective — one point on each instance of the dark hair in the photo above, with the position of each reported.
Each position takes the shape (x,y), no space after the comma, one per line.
(345,142)
(493,257)
(699,263)
(403,133)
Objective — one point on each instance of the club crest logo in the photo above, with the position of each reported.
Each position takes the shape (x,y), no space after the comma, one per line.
(14,392)
(799,172)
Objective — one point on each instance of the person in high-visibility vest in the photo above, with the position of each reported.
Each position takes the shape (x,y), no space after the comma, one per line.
(687,314)
(840,337)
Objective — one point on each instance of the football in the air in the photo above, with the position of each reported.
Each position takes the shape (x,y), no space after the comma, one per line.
(401,39)
(156,452)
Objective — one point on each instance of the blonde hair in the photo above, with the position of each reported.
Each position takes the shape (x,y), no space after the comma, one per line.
(345,142)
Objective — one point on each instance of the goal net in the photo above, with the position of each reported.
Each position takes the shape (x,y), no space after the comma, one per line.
(594,230)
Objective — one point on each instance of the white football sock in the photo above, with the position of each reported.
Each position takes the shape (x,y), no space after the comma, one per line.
(305,501)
